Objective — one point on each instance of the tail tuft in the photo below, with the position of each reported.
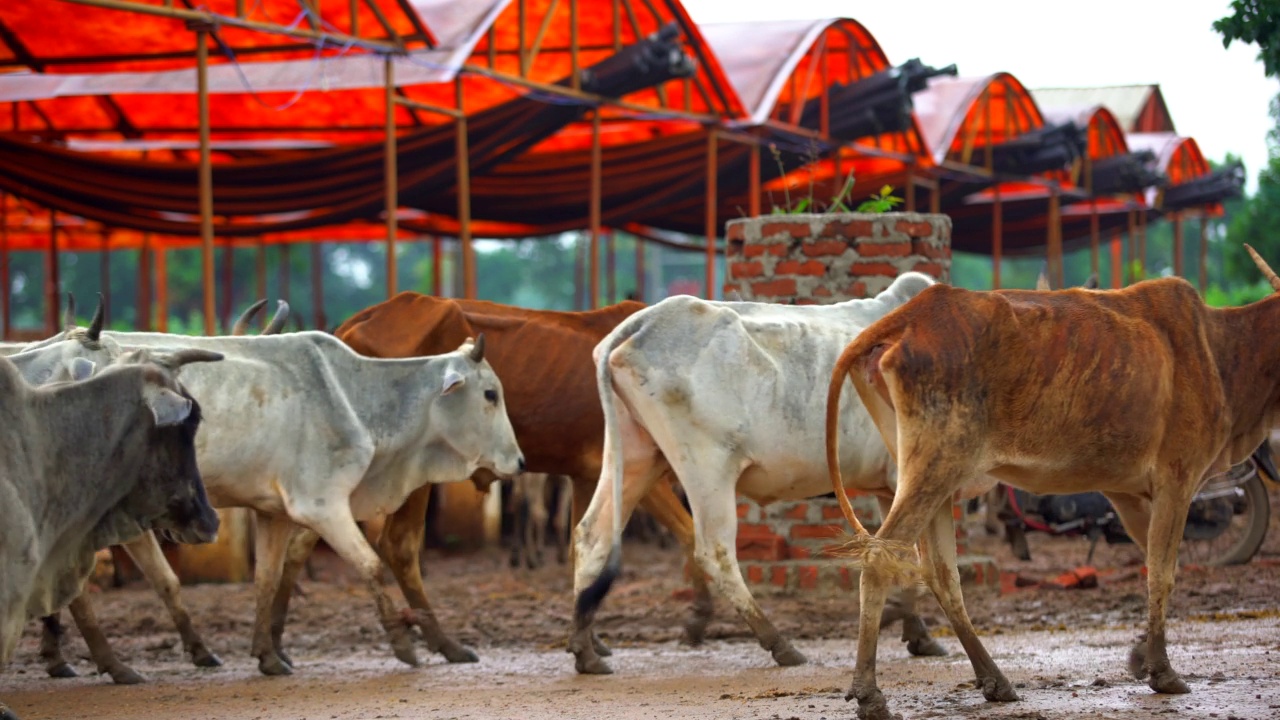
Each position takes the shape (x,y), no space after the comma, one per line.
(891,560)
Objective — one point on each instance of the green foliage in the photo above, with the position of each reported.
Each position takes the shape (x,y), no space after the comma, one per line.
(1236,295)
(881,202)
(810,202)
(1256,22)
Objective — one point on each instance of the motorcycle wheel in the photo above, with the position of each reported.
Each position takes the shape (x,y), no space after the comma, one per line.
(1241,541)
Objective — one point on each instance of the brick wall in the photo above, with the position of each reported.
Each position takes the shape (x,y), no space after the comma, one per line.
(818,259)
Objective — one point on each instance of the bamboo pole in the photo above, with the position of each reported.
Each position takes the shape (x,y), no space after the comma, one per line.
(593,212)
(464,199)
(206,180)
(1056,269)
(997,238)
(1117,261)
(162,289)
(390,173)
(753,181)
(144,319)
(575,82)
(437,271)
(710,229)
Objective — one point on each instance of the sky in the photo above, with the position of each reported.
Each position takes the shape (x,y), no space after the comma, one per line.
(1217,96)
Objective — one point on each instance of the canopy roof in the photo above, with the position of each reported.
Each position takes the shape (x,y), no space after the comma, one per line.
(1138,108)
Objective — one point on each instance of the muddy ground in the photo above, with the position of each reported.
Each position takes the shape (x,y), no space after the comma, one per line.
(1065,649)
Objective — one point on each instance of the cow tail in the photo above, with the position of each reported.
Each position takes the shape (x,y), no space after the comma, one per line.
(842,370)
(590,598)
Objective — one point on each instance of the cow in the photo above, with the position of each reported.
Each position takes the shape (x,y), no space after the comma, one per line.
(720,395)
(146,554)
(544,358)
(86,464)
(1137,393)
(354,436)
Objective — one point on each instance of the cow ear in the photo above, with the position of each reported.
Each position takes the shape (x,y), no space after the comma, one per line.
(168,407)
(80,368)
(452,381)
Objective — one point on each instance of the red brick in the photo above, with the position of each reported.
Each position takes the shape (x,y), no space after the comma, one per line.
(736,232)
(813,268)
(857,290)
(759,529)
(821,291)
(760,547)
(929,250)
(851,229)
(755,575)
(914,229)
(810,532)
(893,249)
(798,553)
(805,301)
(774,288)
(779,576)
(807,577)
(929,268)
(753,250)
(822,248)
(733,250)
(747,269)
(743,509)
(863,269)
(777,249)
(800,511)
(796,229)
(832,512)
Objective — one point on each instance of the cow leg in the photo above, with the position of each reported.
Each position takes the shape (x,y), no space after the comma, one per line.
(940,572)
(99,648)
(583,490)
(301,543)
(665,507)
(1168,520)
(401,546)
(271,539)
(560,519)
(52,637)
(331,517)
(146,554)
(536,497)
(708,485)
(1135,516)
(903,607)
(6,713)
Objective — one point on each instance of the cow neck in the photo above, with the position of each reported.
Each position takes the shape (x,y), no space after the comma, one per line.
(79,482)
(1249,370)
(391,396)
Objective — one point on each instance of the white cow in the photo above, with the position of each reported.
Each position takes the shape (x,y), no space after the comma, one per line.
(350,437)
(729,397)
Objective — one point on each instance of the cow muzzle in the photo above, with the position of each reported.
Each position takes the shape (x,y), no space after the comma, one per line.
(200,525)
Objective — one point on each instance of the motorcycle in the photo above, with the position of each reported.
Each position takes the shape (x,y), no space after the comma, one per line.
(1226,525)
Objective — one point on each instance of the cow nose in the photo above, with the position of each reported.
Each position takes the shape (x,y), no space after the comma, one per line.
(520,463)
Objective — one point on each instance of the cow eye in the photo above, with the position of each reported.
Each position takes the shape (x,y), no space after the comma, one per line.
(491,396)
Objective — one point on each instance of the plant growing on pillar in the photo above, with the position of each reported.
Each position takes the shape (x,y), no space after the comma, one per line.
(881,202)
(809,203)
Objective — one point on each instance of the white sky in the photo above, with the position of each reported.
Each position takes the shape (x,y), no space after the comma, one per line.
(1217,96)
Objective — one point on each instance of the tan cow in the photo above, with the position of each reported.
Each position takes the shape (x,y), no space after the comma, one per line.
(1136,393)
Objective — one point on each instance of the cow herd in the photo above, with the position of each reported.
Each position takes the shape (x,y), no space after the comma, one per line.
(108,438)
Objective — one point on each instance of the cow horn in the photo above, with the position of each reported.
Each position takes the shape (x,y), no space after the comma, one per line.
(278,320)
(95,325)
(178,358)
(1267,272)
(69,317)
(1042,280)
(477,350)
(1092,282)
(241,325)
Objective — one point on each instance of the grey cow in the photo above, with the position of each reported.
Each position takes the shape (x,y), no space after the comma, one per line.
(86,464)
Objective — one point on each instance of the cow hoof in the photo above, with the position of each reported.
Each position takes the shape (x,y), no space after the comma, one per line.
(62,670)
(201,657)
(871,704)
(1167,681)
(271,664)
(402,646)
(598,645)
(456,653)
(125,675)
(926,647)
(285,657)
(788,656)
(997,689)
(592,666)
(1138,660)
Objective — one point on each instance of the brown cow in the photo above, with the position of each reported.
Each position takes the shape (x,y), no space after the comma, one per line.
(1136,393)
(544,360)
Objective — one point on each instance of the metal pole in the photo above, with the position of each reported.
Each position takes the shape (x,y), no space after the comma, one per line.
(710,229)
(464,200)
(51,282)
(611,269)
(640,248)
(997,238)
(593,212)
(1117,260)
(104,277)
(437,259)
(206,180)
(390,173)
(753,181)
(1093,237)
(162,289)
(911,193)
(4,265)
(1177,245)
(1204,253)
(1056,270)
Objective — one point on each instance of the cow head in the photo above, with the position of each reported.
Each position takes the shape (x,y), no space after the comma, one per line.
(169,496)
(476,425)
(73,355)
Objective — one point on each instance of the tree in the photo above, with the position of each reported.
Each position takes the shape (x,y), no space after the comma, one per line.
(1256,22)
